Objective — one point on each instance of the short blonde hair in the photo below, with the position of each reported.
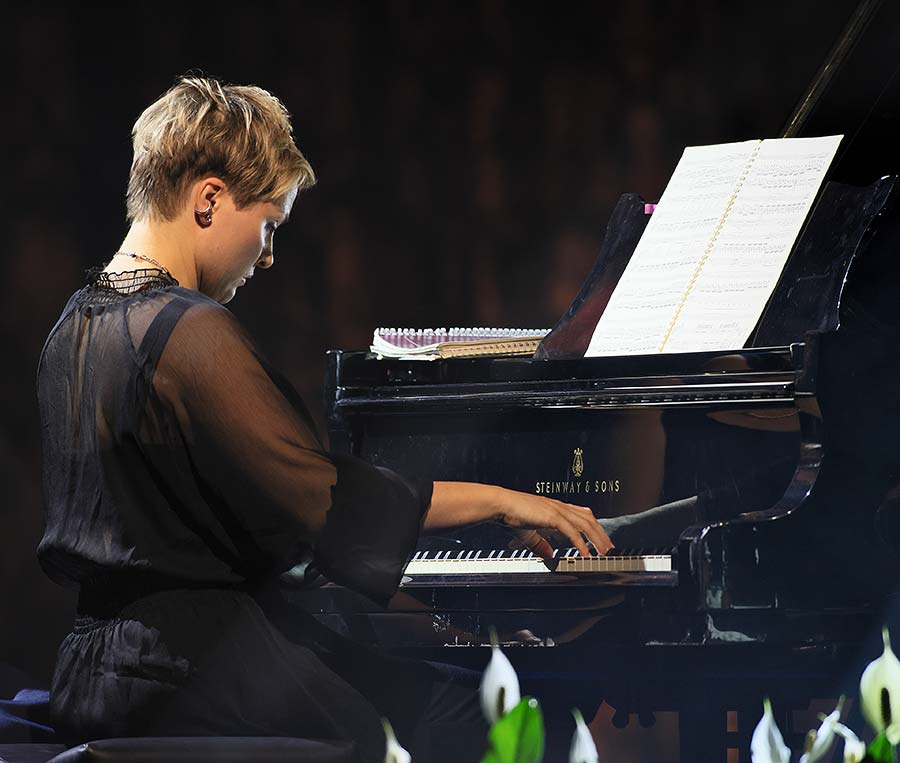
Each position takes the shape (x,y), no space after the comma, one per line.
(203,127)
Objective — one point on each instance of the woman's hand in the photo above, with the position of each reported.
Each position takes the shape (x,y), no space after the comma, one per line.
(459,503)
(536,512)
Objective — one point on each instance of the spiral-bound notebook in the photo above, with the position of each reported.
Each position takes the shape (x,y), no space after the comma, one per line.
(715,247)
(431,344)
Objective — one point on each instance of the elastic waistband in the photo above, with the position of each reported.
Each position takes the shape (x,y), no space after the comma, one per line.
(88,623)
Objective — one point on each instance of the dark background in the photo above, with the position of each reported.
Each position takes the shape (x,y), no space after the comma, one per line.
(468,157)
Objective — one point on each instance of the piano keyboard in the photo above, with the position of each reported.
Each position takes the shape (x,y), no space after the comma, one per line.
(487,562)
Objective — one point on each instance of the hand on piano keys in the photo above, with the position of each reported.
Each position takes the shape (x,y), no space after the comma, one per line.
(457,503)
(550,545)
(532,513)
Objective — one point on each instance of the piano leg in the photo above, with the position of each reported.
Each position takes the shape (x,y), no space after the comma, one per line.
(703,733)
(718,729)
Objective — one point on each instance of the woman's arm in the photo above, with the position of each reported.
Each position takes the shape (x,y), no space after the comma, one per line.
(261,487)
(459,503)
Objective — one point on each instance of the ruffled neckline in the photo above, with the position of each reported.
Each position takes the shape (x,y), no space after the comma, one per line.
(109,287)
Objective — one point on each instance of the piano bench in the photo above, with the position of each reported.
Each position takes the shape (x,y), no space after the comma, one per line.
(208,750)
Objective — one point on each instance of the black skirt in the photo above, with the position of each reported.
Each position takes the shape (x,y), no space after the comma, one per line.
(213,662)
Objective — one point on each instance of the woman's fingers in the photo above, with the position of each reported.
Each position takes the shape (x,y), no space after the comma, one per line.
(573,534)
(583,519)
(576,523)
(594,532)
(536,543)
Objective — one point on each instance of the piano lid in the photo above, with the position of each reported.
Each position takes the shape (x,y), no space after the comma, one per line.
(856,93)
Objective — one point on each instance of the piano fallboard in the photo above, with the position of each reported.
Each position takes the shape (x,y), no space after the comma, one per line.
(726,427)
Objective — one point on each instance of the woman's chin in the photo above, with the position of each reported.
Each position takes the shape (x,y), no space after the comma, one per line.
(227,295)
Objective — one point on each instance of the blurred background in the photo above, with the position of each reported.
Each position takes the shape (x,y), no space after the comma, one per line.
(468,154)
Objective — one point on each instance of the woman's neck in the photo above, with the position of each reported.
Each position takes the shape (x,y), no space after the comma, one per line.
(164,242)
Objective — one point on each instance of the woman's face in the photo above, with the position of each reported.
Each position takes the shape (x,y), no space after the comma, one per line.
(237,242)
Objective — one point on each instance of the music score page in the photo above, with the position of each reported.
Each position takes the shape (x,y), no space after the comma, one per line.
(714,248)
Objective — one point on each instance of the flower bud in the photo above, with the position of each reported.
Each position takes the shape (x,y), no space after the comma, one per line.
(583,749)
(393,752)
(499,685)
(879,692)
(819,742)
(854,747)
(767,745)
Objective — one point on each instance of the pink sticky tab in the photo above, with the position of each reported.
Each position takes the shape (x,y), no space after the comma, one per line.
(649,209)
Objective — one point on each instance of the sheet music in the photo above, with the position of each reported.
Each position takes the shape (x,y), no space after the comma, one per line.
(715,247)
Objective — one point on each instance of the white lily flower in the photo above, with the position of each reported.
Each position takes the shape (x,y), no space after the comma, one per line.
(819,742)
(854,747)
(879,692)
(394,752)
(583,749)
(499,685)
(767,745)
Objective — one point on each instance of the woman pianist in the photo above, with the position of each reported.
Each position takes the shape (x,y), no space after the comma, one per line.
(182,474)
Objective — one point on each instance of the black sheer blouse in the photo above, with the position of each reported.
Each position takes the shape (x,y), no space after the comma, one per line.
(171,448)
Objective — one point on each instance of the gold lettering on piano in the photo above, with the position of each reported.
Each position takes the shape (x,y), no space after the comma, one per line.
(578,463)
(577,487)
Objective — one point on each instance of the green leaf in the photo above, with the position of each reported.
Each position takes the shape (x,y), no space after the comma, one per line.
(881,751)
(518,737)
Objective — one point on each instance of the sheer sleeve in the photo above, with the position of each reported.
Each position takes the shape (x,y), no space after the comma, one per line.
(255,455)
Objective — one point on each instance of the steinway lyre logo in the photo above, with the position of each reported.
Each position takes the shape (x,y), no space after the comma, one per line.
(578,463)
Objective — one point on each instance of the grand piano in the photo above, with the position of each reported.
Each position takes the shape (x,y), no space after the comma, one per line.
(753,493)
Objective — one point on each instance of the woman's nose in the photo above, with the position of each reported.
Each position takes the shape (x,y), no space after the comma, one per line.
(266,260)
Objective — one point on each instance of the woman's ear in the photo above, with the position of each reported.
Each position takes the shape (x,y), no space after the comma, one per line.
(206,194)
